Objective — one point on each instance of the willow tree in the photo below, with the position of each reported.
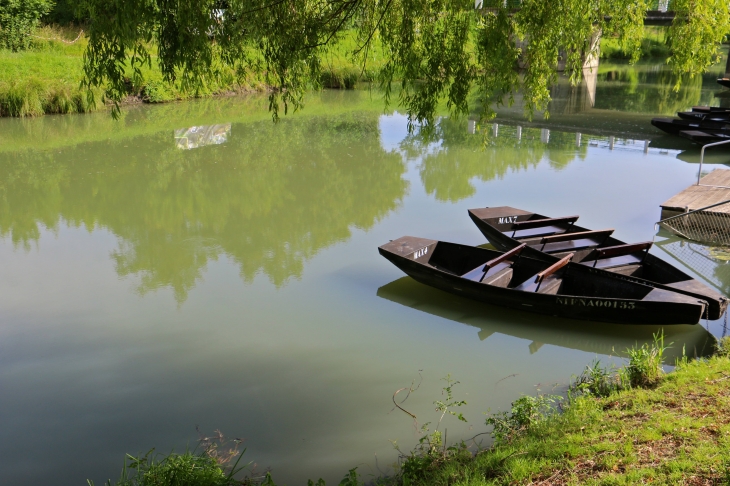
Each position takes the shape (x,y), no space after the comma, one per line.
(435,49)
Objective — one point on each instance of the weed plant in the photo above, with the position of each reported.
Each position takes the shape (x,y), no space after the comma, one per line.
(525,414)
(722,347)
(214,463)
(644,369)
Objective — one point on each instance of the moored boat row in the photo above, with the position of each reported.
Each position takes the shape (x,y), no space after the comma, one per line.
(553,266)
(702,125)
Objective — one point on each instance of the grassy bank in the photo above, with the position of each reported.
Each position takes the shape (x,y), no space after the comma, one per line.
(673,430)
(46,78)
(653,46)
(636,425)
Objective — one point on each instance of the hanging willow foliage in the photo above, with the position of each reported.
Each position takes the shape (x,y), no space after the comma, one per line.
(435,49)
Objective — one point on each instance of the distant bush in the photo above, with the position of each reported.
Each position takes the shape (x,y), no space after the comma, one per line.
(66,12)
(18,19)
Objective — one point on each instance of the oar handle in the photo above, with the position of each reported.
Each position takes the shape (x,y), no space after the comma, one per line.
(504,256)
(553,268)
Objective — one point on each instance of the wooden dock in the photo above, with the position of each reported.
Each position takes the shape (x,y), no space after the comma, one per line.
(695,197)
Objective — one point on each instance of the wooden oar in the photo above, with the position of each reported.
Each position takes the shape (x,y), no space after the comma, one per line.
(504,256)
(551,270)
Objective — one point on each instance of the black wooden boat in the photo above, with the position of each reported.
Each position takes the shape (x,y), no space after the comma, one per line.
(709,116)
(674,126)
(550,239)
(559,288)
(724,82)
(703,137)
(709,113)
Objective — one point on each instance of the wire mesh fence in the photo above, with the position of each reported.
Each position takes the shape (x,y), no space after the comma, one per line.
(709,225)
(710,263)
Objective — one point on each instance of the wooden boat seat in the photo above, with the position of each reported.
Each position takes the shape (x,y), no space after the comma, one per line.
(542,227)
(571,246)
(535,232)
(619,261)
(572,242)
(617,256)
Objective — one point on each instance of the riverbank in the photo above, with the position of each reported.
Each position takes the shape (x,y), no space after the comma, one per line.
(46,79)
(673,432)
(663,429)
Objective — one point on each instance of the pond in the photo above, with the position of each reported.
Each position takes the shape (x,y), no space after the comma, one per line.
(198,265)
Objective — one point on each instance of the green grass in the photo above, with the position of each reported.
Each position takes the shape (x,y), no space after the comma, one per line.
(677,431)
(46,78)
(653,46)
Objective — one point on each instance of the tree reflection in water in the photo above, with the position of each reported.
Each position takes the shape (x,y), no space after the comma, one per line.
(269,198)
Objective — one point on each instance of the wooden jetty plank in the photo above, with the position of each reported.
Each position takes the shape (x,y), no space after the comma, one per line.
(718,177)
(695,197)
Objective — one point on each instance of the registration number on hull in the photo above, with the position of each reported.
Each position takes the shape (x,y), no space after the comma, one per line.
(582,302)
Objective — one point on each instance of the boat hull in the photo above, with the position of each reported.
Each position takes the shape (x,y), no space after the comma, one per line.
(677,281)
(674,126)
(602,309)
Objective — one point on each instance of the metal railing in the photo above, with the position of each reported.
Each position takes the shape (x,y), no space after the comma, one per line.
(702,159)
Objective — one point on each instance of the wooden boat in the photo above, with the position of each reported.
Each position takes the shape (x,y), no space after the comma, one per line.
(674,126)
(704,137)
(550,239)
(710,113)
(558,288)
(724,82)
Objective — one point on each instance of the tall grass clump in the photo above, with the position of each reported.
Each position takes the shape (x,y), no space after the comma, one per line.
(22,99)
(644,368)
(339,78)
(33,97)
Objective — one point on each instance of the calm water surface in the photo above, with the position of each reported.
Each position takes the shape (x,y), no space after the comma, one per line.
(196,264)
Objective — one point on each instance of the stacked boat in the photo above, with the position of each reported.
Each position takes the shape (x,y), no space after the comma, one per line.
(702,125)
(553,266)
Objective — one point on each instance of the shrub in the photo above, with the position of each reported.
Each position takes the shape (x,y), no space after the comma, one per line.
(66,12)
(526,413)
(18,19)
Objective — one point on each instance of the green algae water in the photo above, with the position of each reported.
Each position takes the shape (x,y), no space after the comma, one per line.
(198,265)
